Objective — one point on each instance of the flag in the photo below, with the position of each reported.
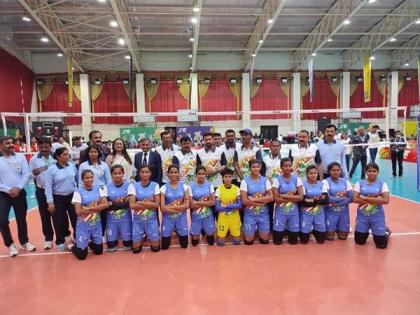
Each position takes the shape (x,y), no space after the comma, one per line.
(70,79)
(367,67)
(311,79)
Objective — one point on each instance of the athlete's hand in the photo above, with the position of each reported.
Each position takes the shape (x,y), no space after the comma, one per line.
(51,208)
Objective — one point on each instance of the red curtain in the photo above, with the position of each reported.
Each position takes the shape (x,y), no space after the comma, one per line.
(376,100)
(15,79)
(219,98)
(269,97)
(113,99)
(57,102)
(324,98)
(409,95)
(168,99)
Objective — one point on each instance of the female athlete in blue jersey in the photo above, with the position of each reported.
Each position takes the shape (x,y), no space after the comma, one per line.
(89,201)
(287,191)
(371,194)
(174,201)
(256,193)
(340,193)
(144,201)
(118,223)
(201,201)
(312,217)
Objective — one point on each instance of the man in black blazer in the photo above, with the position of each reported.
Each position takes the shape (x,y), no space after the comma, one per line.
(150,158)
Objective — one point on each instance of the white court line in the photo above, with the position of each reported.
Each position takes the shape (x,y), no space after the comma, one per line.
(405,198)
(177,246)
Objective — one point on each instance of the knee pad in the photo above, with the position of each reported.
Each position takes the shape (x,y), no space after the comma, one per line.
(304,237)
(195,242)
(381,241)
(262,241)
(342,235)
(137,250)
(236,242)
(97,249)
(278,237)
(112,244)
(81,254)
(293,237)
(210,239)
(155,249)
(166,241)
(330,236)
(360,238)
(319,236)
(248,242)
(183,241)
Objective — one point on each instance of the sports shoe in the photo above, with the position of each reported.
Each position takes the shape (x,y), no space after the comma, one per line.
(388,231)
(61,247)
(70,246)
(127,248)
(112,249)
(13,250)
(29,247)
(48,245)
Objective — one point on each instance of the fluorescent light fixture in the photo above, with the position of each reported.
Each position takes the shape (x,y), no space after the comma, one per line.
(190,56)
(206,80)
(284,80)
(232,80)
(270,21)
(329,40)
(191,68)
(113,23)
(334,79)
(259,80)
(191,39)
(261,41)
(179,81)
(153,81)
(254,55)
(125,81)
(26,19)
(196,9)
(392,39)
(406,64)
(121,41)
(97,81)
(45,39)
(59,55)
(418,21)
(371,1)
(346,21)
(359,79)
(313,54)
(194,20)
(128,57)
(372,57)
(102,1)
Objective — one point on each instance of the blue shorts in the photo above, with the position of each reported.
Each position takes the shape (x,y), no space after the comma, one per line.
(284,222)
(85,233)
(253,223)
(309,220)
(206,223)
(376,223)
(337,221)
(118,228)
(171,223)
(150,228)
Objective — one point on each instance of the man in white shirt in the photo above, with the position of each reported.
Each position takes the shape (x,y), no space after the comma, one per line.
(78,146)
(211,158)
(186,160)
(246,152)
(373,142)
(272,160)
(166,151)
(304,154)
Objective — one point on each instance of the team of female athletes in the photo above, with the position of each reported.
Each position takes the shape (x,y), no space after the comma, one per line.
(106,203)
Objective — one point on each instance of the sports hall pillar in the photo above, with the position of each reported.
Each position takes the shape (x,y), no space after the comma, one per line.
(140,96)
(345,91)
(246,101)
(194,91)
(393,101)
(296,101)
(85,100)
(34,103)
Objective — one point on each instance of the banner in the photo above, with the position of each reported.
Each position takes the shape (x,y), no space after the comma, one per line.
(194,132)
(418,154)
(70,79)
(351,127)
(311,79)
(410,128)
(137,133)
(367,66)
(418,75)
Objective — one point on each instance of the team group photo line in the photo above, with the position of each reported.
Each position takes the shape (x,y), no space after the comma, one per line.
(225,191)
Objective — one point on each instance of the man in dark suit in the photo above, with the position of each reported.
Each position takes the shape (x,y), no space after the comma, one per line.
(359,152)
(150,158)
(95,139)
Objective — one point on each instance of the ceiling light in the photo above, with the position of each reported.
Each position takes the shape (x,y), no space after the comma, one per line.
(196,9)
(113,23)
(372,58)
(346,21)
(190,56)
(194,20)
(233,80)
(371,1)
(261,41)
(98,81)
(406,64)
(44,39)
(270,21)
(153,81)
(101,1)
(408,78)
(26,19)
(254,55)
(418,21)
(59,55)
(329,40)
(392,39)
(179,81)
(191,39)
(259,80)
(125,81)
(128,57)
(206,80)
(284,80)
(121,41)
(191,68)
(313,55)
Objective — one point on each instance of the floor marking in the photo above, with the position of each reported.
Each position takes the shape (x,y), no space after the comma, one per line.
(177,246)
(406,198)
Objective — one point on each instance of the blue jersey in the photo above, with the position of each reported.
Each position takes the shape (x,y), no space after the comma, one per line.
(144,193)
(285,186)
(200,192)
(311,191)
(370,190)
(174,196)
(85,197)
(115,192)
(339,189)
(256,189)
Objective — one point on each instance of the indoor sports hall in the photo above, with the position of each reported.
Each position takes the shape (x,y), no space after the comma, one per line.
(210,157)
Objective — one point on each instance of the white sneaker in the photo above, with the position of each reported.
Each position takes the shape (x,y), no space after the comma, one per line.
(48,245)
(29,247)
(13,250)
(61,247)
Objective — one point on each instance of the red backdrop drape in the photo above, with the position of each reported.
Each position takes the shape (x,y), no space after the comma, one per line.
(113,99)
(168,99)
(219,98)
(409,95)
(57,102)
(376,100)
(12,73)
(324,98)
(269,97)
